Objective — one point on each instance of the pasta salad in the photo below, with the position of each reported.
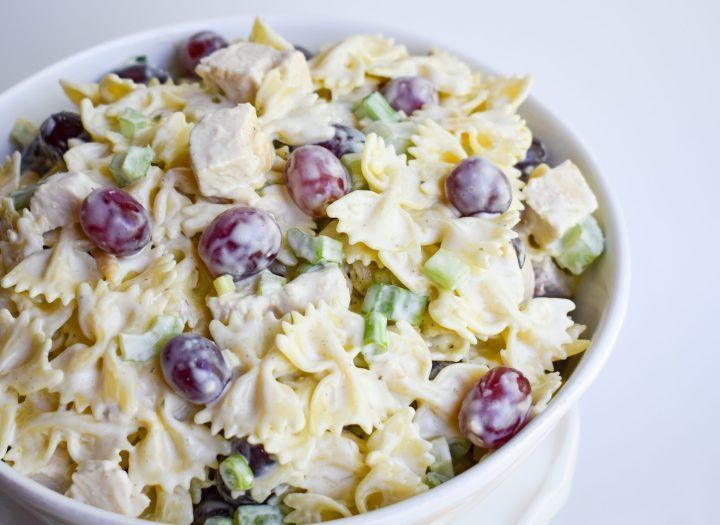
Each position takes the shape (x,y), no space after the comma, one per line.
(281,287)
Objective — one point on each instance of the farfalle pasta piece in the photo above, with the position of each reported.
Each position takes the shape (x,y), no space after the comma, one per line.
(167,208)
(435,153)
(20,235)
(171,141)
(10,174)
(8,411)
(343,67)
(56,272)
(313,508)
(250,336)
(56,202)
(506,92)
(175,506)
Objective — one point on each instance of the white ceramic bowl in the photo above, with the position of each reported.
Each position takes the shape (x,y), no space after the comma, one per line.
(602,300)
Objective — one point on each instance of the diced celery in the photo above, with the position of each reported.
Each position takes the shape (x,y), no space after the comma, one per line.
(433,479)
(143,347)
(395,303)
(236,473)
(315,249)
(224,285)
(376,336)
(132,122)
(23,132)
(443,464)
(307,268)
(580,246)
(352,163)
(131,166)
(446,270)
(21,197)
(459,447)
(269,283)
(375,107)
(218,520)
(258,515)
(396,134)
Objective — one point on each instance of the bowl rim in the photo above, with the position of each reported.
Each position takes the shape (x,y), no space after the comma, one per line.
(501,460)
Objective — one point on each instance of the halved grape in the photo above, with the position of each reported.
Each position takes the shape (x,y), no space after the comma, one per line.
(476,185)
(258,459)
(142,73)
(240,242)
(496,408)
(44,154)
(211,504)
(305,51)
(345,140)
(536,155)
(408,94)
(315,179)
(197,47)
(115,221)
(195,368)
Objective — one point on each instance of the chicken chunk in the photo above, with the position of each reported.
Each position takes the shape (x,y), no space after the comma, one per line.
(105,485)
(557,199)
(57,202)
(239,69)
(230,154)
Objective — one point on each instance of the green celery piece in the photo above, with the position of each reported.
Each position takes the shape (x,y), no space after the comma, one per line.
(269,283)
(580,246)
(352,163)
(315,249)
(433,479)
(224,285)
(375,107)
(132,122)
(21,197)
(23,132)
(236,473)
(132,166)
(446,270)
(443,464)
(143,347)
(258,515)
(459,447)
(395,303)
(375,339)
(219,520)
(396,134)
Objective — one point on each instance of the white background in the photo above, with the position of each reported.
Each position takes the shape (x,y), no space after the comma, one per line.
(640,82)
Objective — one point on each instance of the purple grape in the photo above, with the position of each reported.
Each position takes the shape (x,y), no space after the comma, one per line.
(142,73)
(551,281)
(476,186)
(257,458)
(240,242)
(197,47)
(115,221)
(36,157)
(536,155)
(315,179)
(305,51)
(211,504)
(437,367)
(44,154)
(496,407)
(409,94)
(520,251)
(194,367)
(345,140)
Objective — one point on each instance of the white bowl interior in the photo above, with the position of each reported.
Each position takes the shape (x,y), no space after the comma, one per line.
(601,301)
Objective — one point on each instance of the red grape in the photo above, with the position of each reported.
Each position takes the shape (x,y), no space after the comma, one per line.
(195,368)
(115,221)
(476,185)
(45,153)
(496,408)
(536,155)
(240,242)
(345,140)
(315,179)
(197,47)
(141,73)
(408,94)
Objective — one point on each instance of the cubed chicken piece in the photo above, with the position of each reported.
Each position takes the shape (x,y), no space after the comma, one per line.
(557,199)
(238,70)
(230,154)
(57,201)
(105,485)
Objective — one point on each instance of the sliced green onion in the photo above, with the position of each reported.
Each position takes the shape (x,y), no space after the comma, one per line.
(23,132)
(22,196)
(236,473)
(446,270)
(270,283)
(376,335)
(352,163)
(218,520)
(131,166)
(433,479)
(143,347)
(580,246)
(258,515)
(395,303)
(224,285)
(396,134)
(375,107)
(443,464)
(459,447)
(132,122)
(315,249)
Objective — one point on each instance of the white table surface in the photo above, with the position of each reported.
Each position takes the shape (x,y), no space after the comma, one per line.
(640,82)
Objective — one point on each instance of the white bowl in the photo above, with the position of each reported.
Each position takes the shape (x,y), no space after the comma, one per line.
(602,299)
